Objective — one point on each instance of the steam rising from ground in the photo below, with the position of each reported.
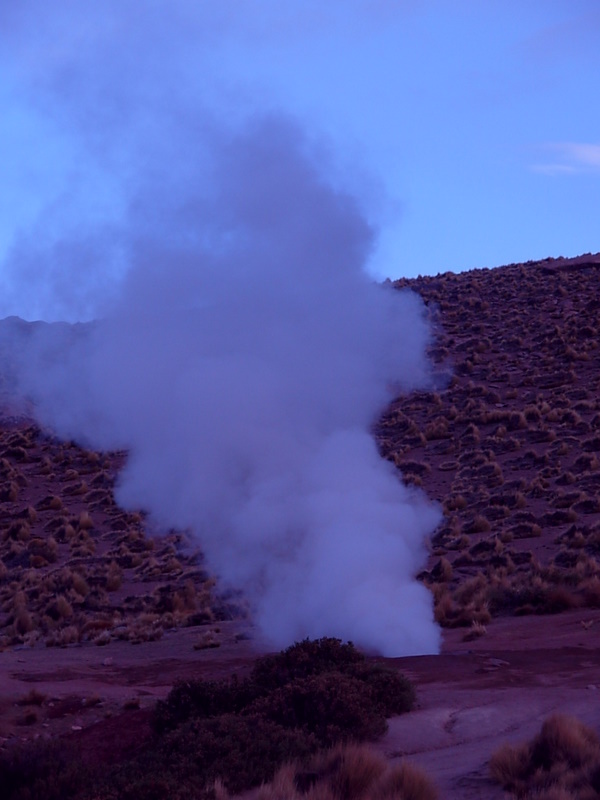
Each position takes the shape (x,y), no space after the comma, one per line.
(242,361)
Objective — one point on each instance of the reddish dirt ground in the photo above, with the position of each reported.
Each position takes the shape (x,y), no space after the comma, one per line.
(476,696)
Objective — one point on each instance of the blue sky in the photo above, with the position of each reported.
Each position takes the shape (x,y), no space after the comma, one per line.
(470,129)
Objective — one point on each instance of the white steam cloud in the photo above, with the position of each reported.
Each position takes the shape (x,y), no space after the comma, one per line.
(242,360)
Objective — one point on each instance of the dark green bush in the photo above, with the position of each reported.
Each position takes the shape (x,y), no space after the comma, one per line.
(192,699)
(392,692)
(42,770)
(196,698)
(526,599)
(315,693)
(333,707)
(303,659)
(243,750)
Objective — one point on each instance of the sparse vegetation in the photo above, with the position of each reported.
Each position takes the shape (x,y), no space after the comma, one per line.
(62,566)
(520,423)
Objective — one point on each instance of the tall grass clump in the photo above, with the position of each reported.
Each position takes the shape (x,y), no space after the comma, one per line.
(563,760)
(349,772)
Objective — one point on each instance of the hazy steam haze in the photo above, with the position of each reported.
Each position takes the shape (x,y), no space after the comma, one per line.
(241,358)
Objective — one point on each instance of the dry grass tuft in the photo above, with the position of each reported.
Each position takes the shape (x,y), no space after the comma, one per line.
(476,631)
(563,760)
(32,698)
(114,577)
(349,772)
(406,782)
(85,521)
(479,524)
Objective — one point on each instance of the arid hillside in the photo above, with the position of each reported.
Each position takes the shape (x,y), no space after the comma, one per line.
(510,443)
(507,441)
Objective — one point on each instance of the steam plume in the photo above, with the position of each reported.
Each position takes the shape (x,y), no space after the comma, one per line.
(241,359)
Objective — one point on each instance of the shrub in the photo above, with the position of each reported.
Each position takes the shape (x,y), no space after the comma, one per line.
(406,782)
(509,765)
(479,524)
(204,699)
(314,694)
(392,692)
(591,593)
(442,571)
(565,740)
(455,502)
(476,630)
(23,622)
(242,750)
(352,771)
(303,659)
(563,757)
(114,577)
(387,691)
(531,597)
(349,772)
(332,706)
(42,770)
(32,698)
